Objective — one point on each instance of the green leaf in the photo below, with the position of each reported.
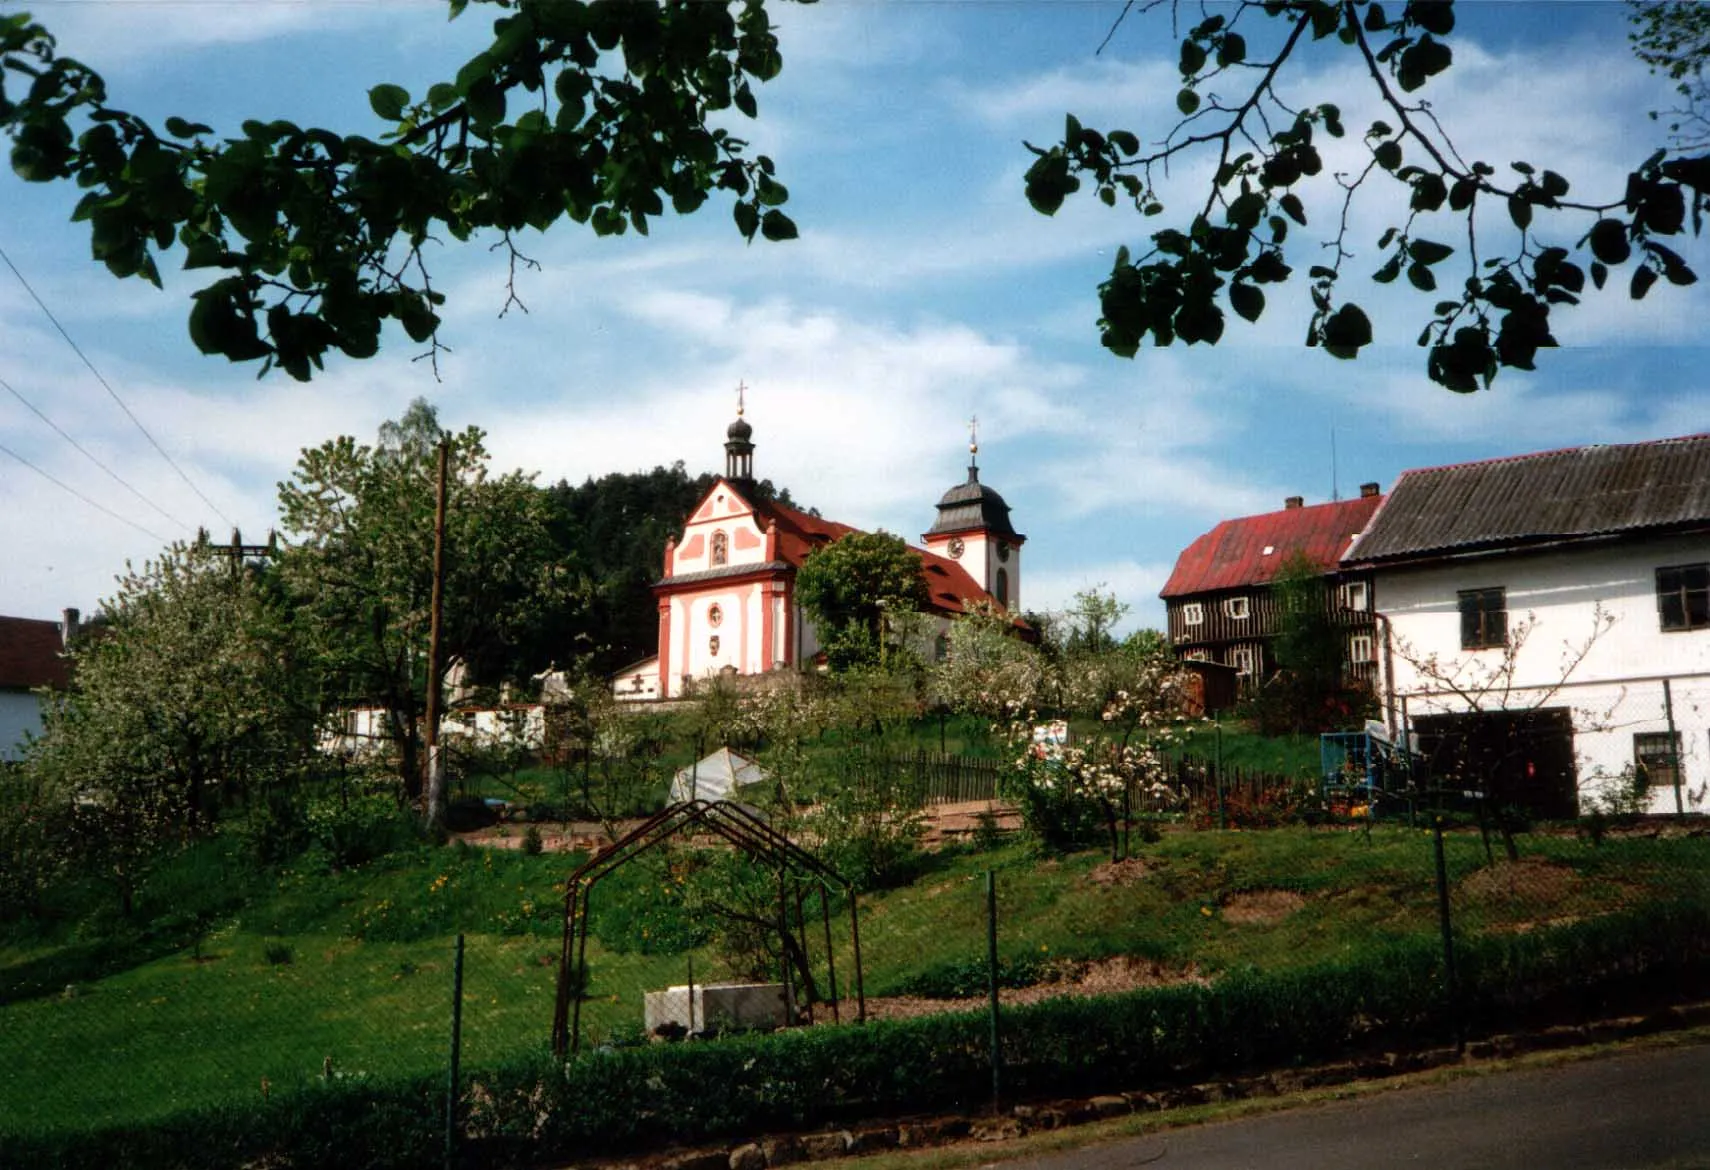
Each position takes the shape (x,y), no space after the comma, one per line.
(1462,193)
(1193,58)
(388,101)
(1643,278)
(1421,278)
(747,219)
(1125,142)
(1434,16)
(1247,300)
(1390,270)
(1346,331)
(1388,154)
(1187,101)
(1232,49)
(775,225)
(1291,204)
(1429,251)
(1609,241)
(1520,211)
(1599,273)
(1429,192)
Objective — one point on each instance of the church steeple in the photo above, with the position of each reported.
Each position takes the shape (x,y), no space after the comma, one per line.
(738,445)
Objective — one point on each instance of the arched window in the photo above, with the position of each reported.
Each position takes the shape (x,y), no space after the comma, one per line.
(720,548)
(1002,590)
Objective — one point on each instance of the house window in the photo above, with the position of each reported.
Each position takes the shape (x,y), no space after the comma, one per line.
(1241,658)
(941,648)
(1355,596)
(1236,607)
(1656,757)
(720,548)
(1683,597)
(1484,618)
(1193,614)
(1360,648)
(1002,592)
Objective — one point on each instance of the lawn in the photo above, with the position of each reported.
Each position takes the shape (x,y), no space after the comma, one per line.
(230,987)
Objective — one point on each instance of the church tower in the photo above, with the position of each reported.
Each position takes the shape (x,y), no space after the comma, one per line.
(973,528)
(739,444)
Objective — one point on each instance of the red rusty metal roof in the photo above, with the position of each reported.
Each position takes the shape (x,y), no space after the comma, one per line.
(1234,555)
(1577,494)
(30,654)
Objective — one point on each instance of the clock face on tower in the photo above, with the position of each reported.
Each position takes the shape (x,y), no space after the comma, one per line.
(1003,550)
(956,546)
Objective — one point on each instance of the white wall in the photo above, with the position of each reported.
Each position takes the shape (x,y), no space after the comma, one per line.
(1614,692)
(20,715)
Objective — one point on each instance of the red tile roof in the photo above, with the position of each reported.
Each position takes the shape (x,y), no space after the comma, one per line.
(1232,555)
(949,587)
(30,654)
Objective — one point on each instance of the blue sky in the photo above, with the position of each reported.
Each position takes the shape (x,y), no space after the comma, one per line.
(922,290)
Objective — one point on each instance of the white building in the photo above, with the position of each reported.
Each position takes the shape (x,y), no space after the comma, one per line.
(727,602)
(32,656)
(1544,620)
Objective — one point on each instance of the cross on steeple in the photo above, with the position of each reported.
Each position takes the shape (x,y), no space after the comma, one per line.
(974,435)
(741,400)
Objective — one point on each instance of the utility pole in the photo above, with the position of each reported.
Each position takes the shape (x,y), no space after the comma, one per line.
(434,813)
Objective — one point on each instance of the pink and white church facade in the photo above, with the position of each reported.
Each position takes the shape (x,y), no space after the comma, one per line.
(727,597)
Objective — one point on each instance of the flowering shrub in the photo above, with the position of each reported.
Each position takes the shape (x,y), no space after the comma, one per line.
(1117,771)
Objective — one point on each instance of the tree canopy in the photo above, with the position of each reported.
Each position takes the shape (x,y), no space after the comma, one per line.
(313,239)
(1451,216)
(360,565)
(846,588)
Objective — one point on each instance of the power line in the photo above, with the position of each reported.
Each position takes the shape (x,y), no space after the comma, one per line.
(117,478)
(113,394)
(67,487)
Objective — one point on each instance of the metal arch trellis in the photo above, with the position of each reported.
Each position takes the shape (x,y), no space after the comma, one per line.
(743,830)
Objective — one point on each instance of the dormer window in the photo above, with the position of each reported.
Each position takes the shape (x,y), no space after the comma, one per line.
(1237,608)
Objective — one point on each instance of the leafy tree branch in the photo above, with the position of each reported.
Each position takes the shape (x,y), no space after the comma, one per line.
(598,111)
(1267,155)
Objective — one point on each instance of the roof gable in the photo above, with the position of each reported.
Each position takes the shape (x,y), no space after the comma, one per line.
(1580,493)
(1252,550)
(30,654)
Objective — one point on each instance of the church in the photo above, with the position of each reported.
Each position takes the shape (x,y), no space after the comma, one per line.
(727,603)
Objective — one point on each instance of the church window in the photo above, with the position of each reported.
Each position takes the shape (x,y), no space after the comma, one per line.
(1002,590)
(720,548)
(712,645)
(715,615)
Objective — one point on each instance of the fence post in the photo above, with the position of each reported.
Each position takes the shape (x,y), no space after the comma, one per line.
(1451,995)
(456,1053)
(992,968)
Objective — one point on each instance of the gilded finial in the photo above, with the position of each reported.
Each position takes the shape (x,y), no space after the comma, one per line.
(741,398)
(974,435)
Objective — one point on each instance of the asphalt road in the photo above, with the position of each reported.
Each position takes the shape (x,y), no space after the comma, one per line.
(1624,1112)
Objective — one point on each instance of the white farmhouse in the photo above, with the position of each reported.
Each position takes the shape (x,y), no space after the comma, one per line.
(1544,621)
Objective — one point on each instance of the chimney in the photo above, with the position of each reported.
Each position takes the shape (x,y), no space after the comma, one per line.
(1368,490)
(68,628)
(1294,501)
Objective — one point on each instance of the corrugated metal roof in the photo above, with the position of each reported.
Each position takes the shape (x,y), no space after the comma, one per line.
(30,654)
(1579,493)
(1233,554)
